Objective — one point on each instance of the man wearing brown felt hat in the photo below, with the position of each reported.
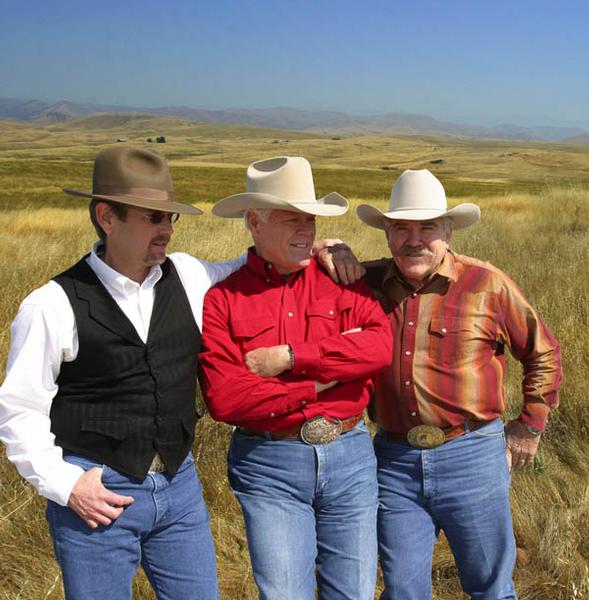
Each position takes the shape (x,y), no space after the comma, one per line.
(97,410)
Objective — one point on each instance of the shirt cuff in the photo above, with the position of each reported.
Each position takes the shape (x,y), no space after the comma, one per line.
(63,480)
(307,357)
(300,393)
(535,415)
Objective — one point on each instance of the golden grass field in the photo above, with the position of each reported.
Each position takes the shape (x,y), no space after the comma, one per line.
(535,226)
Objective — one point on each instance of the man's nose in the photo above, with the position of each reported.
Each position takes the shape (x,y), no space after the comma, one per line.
(166,225)
(413,238)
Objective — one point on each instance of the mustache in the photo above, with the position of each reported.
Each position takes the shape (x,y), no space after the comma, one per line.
(161,239)
(415,251)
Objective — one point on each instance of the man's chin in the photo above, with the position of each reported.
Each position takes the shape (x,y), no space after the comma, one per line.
(155,259)
(412,271)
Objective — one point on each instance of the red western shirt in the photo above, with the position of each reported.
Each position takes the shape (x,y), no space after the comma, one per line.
(450,338)
(257,307)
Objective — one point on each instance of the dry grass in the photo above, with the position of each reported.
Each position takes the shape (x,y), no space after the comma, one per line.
(540,238)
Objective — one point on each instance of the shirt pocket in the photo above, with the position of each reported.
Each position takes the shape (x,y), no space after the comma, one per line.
(327,317)
(254,331)
(460,342)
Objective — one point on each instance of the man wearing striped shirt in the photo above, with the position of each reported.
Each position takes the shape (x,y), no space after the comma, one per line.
(443,452)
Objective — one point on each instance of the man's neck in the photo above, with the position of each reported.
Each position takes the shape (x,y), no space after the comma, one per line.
(137,274)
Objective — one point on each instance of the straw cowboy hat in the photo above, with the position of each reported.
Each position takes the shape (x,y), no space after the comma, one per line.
(419,196)
(284,182)
(134,176)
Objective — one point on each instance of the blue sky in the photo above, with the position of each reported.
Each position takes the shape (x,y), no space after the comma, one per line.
(486,62)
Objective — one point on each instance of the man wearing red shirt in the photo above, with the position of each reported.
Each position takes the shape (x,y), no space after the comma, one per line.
(441,445)
(287,358)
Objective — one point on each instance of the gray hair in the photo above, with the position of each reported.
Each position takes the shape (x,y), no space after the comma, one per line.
(448,224)
(263,215)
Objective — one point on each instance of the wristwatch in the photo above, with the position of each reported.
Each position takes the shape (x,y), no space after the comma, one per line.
(291,356)
(532,430)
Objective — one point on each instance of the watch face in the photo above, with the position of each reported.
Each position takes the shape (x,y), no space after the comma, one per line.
(533,430)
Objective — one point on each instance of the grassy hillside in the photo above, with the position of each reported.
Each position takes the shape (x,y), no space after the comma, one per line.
(208,161)
(534,227)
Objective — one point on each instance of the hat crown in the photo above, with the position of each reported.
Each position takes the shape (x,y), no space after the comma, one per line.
(415,190)
(128,167)
(287,177)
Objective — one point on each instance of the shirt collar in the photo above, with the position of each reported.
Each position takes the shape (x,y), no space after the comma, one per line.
(115,280)
(263,269)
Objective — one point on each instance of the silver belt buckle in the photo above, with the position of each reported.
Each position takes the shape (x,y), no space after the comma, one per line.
(320,430)
(426,437)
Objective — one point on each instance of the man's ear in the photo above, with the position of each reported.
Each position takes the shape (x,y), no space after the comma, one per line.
(105,216)
(252,221)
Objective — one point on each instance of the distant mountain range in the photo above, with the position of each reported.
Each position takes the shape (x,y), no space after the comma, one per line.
(329,122)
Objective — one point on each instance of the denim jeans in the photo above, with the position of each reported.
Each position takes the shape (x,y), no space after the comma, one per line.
(166,530)
(310,514)
(461,487)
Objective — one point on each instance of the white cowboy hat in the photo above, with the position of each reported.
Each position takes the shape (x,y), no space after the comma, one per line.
(283,182)
(419,196)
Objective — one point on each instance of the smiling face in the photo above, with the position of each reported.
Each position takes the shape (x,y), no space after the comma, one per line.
(418,247)
(134,244)
(285,239)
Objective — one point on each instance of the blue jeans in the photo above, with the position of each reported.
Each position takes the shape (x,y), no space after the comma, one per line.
(461,487)
(310,514)
(166,530)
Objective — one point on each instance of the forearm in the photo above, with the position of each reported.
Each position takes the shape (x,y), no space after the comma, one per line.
(235,395)
(532,343)
(30,447)
(362,350)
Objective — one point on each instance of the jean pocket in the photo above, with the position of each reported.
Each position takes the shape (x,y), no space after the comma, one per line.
(82,461)
(491,430)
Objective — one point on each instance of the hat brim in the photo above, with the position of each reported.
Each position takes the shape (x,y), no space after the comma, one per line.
(462,215)
(141,202)
(234,207)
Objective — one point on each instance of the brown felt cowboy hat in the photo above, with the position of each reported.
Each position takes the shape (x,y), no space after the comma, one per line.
(283,182)
(419,196)
(134,176)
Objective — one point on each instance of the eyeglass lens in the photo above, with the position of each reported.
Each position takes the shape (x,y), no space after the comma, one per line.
(157,217)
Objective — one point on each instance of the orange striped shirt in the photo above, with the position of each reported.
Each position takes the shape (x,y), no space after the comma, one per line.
(449,346)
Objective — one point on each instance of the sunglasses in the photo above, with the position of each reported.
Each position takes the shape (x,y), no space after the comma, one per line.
(155,218)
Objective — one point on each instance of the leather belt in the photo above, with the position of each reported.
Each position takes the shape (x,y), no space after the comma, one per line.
(430,436)
(319,430)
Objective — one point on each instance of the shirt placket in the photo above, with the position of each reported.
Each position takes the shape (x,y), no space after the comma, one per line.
(407,355)
(290,317)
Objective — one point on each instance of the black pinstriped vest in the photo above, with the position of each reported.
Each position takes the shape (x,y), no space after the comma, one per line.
(122,400)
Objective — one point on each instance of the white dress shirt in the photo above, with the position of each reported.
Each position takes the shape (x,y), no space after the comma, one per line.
(44,334)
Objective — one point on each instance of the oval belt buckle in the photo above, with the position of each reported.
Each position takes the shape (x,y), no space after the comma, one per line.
(320,430)
(425,437)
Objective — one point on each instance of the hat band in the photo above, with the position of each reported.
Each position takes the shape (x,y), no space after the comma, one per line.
(416,208)
(148,193)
